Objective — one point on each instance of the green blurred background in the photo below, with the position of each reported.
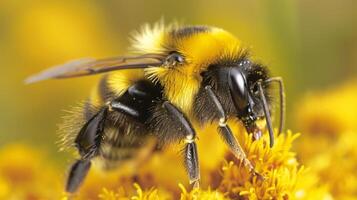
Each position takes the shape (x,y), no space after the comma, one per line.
(311,44)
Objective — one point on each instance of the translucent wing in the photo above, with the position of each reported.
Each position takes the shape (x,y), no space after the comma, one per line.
(90,66)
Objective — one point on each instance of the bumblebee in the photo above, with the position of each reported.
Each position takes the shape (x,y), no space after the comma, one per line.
(176,76)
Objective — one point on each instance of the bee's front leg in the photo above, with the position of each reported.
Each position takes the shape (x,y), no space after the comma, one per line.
(191,156)
(227,134)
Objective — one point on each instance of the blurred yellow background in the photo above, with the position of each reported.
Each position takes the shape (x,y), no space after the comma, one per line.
(311,44)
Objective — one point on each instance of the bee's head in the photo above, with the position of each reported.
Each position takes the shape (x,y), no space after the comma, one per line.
(242,87)
(249,93)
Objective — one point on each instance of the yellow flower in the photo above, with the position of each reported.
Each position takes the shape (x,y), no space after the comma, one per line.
(328,147)
(329,112)
(198,194)
(26,174)
(285,178)
(111,195)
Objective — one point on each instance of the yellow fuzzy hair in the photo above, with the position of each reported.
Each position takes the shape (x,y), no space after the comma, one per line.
(199,49)
(120,81)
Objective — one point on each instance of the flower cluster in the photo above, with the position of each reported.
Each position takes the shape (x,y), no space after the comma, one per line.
(328,147)
(25,173)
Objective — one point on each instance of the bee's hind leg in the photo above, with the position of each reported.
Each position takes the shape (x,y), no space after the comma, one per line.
(77,173)
(191,156)
(87,142)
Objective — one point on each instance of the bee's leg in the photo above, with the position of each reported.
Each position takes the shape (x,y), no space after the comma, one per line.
(77,173)
(280,81)
(87,142)
(191,156)
(227,134)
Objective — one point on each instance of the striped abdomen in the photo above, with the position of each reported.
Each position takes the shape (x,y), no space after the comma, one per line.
(125,129)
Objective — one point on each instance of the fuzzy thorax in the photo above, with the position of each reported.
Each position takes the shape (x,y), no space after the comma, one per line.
(200,48)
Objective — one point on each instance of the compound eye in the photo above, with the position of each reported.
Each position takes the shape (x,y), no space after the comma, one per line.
(238,89)
(173,59)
